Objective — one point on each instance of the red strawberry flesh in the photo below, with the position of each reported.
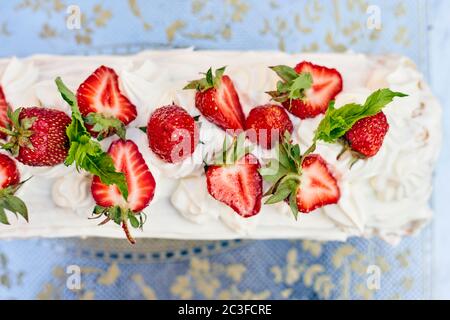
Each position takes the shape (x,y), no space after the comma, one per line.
(100,93)
(327,84)
(4,120)
(9,174)
(318,186)
(221,105)
(239,186)
(140,181)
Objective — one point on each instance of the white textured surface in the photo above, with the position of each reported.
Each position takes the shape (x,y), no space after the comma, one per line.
(387,195)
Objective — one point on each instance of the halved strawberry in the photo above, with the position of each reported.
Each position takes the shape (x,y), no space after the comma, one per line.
(141,187)
(9,184)
(318,186)
(307,90)
(4,119)
(102,103)
(304,181)
(218,101)
(235,180)
(9,174)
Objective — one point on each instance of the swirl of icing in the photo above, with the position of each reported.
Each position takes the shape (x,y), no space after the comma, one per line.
(73,191)
(17,83)
(193,202)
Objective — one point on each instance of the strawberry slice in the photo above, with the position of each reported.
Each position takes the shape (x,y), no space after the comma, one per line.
(218,101)
(141,187)
(318,187)
(9,184)
(239,186)
(99,95)
(327,84)
(234,178)
(4,119)
(307,90)
(9,174)
(303,181)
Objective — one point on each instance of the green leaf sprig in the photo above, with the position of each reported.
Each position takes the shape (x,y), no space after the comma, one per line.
(10,202)
(284,174)
(86,153)
(292,85)
(338,122)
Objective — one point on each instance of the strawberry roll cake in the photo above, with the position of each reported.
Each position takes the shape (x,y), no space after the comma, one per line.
(187,144)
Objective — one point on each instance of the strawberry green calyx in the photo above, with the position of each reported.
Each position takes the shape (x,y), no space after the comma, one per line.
(105,126)
(121,216)
(86,153)
(19,132)
(208,82)
(10,202)
(284,174)
(232,152)
(292,85)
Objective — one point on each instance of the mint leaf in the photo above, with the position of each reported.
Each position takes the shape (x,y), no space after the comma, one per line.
(86,153)
(338,121)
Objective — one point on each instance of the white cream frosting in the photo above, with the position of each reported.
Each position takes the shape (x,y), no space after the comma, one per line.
(387,195)
(73,191)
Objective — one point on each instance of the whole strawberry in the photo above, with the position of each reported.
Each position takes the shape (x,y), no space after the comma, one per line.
(172,133)
(367,135)
(307,90)
(266,122)
(234,179)
(9,184)
(38,136)
(218,101)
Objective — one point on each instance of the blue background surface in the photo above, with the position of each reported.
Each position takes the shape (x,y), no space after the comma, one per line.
(416,269)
